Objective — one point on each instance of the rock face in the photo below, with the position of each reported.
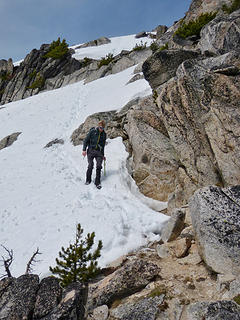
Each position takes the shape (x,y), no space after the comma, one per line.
(163,64)
(6,67)
(199,7)
(221,35)
(24,298)
(72,305)
(213,311)
(152,156)
(145,309)
(46,302)
(160,31)
(215,216)
(199,109)
(17,300)
(129,279)
(30,77)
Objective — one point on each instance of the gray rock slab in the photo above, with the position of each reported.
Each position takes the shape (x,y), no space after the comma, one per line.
(222,34)
(100,313)
(174,226)
(98,42)
(219,310)
(72,305)
(48,297)
(130,278)
(145,309)
(215,216)
(18,299)
(163,64)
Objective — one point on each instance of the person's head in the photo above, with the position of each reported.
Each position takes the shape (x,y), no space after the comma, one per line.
(101,125)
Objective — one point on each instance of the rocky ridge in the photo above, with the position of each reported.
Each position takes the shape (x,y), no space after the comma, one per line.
(183,148)
(38,73)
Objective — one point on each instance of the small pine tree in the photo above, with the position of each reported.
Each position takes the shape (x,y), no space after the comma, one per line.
(57,49)
(77,263)
(194,27)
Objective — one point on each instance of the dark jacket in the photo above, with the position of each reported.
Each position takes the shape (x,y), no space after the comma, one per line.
(95,140)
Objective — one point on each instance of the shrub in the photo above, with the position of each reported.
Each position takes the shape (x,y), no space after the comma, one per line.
(86,61)
(154,46)
(105,60)
(5,76)
(139,47)
(77,263)
(38,83)
(237,299)
(235,6)
(165,47)
(33,74)
(57,49)
(194,27)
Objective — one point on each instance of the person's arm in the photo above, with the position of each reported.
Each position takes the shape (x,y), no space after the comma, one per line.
(86,142)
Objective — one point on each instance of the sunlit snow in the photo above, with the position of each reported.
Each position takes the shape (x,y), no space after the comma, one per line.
(42,191)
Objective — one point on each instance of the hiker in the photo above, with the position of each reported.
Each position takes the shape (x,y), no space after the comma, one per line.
(95,143)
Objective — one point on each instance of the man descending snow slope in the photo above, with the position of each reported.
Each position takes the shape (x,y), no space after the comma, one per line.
(95,143)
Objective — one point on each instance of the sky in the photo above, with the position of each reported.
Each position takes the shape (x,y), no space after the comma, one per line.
(26,24)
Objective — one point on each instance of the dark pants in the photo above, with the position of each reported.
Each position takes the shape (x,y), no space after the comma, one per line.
(91,154)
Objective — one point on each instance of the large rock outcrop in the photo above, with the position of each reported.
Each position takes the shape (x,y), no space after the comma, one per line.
(30,77)
(215,216)
(163,64)
(199,7)
(221,35)
(223,310)
(26,298)
(18,297)
(200,111)
(130,278)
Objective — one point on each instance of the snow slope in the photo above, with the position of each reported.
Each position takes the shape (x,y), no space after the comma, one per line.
(42,191)
(116,45)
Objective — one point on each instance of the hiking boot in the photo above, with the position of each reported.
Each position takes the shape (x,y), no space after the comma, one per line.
(98,186)
(87,182)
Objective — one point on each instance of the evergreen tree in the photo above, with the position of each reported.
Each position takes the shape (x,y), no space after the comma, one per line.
(76,263)
(57,49)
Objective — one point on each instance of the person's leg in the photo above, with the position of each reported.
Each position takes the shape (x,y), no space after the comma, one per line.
(90,157)
(99,160)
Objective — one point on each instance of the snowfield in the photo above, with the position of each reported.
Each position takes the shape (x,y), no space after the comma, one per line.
(43,195)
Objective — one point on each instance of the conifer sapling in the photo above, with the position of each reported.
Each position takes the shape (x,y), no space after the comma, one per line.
(76,263)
